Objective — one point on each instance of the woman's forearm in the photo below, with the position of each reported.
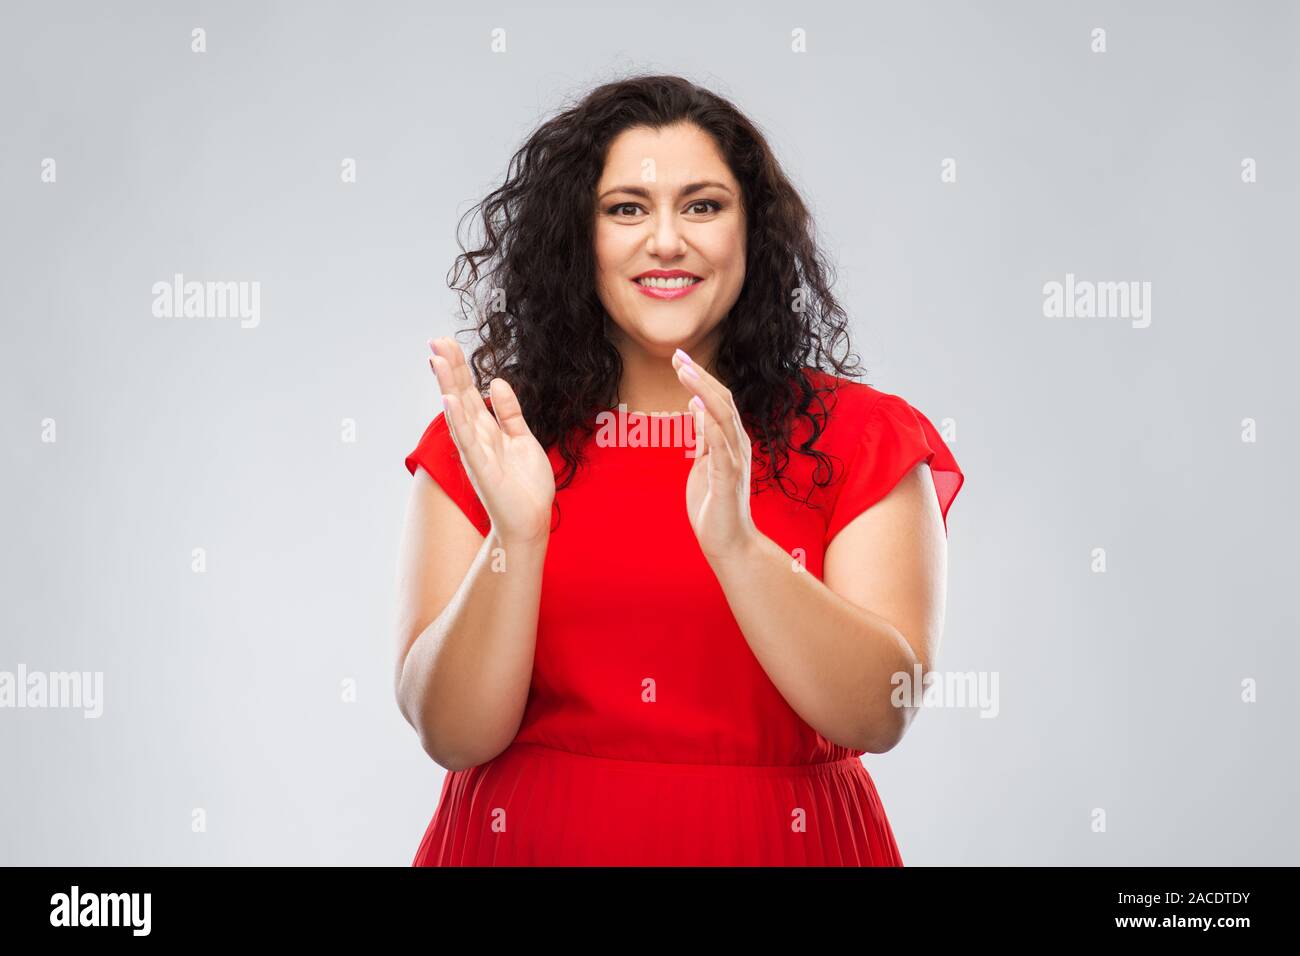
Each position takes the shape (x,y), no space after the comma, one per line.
(832,661)
(464,682)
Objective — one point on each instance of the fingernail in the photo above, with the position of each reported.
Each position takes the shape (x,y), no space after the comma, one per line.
(696,403)
(693,375)
(683,356)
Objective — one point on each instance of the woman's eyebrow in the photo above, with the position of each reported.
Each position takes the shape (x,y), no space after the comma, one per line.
(645,193)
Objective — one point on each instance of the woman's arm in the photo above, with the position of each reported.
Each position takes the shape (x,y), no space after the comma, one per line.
(466,629)
(468,604)
(832,646)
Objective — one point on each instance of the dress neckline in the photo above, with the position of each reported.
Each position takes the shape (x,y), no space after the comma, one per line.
(630,414)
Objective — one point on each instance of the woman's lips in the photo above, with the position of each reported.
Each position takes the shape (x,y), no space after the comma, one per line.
(667,293)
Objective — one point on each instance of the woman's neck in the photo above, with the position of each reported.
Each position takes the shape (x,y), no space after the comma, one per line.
(650,385)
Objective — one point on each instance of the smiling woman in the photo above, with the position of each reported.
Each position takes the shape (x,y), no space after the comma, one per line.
(671,227)
(624,655)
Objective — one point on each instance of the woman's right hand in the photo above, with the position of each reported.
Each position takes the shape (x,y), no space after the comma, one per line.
(506,465)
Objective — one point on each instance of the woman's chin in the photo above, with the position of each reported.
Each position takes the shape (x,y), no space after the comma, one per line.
(669,329)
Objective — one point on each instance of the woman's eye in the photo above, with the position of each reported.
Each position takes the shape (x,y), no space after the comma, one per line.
(699,207)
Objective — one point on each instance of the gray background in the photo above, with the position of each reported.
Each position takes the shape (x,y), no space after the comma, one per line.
(1118,690)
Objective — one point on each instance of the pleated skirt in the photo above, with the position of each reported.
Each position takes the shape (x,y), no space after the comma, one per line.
(534,805)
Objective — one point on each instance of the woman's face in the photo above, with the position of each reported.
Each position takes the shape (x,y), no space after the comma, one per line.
(667,202)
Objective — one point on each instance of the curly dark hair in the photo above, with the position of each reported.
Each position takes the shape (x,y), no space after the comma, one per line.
(531,285)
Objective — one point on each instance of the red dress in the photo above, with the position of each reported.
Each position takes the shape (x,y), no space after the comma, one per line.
(651,735)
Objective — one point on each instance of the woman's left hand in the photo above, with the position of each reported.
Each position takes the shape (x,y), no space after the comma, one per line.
(717,488)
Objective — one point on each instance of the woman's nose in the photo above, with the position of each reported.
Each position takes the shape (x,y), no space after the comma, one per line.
(666,237)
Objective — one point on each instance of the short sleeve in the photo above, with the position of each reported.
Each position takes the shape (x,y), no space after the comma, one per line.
(437,454)
(894,439)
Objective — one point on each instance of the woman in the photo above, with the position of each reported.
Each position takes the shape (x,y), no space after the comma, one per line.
(641,652)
